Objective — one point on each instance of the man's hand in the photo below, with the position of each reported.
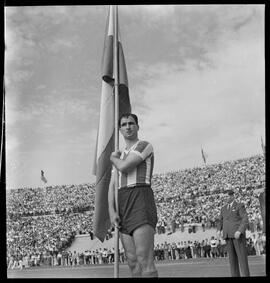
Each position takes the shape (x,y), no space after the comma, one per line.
(115,220)
(237,234)
(116,154)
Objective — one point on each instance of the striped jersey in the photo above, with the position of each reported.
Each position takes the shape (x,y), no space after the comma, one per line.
(142,174)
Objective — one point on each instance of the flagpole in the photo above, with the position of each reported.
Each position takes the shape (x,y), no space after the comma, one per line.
(262,145)
(2,137)
(203,156)
(116,117)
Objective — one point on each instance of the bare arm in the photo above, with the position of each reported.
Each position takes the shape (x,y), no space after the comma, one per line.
(128,164)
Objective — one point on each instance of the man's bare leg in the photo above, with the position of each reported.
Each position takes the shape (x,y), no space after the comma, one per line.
(144,247)
(130,252)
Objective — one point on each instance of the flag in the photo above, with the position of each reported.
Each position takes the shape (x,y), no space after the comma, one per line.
(262,145)
(203,156)
(43,179)
(105,136)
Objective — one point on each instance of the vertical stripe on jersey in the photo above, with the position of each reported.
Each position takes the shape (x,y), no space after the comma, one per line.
(123,180)
(132,177)
(123,176)
(141,172)
(144,168)
(152,167)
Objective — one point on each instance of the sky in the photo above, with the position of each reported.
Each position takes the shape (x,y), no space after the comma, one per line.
(196,78)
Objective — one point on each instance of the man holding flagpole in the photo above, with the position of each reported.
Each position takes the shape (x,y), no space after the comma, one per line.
(114,102)
(136,216)
(105,143)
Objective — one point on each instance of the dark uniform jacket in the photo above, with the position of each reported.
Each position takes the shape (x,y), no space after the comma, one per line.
(233,219)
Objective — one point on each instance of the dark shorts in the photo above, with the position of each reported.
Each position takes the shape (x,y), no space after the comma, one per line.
(136,207)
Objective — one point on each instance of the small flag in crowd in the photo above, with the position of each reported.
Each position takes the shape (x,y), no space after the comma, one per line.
(105,137)
(262,145)
(43,179)
(203,156)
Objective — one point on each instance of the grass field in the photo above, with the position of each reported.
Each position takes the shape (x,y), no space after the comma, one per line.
(188,268)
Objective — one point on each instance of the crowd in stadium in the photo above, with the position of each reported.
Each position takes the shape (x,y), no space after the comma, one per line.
(42,222)
(196,195)
(208,248)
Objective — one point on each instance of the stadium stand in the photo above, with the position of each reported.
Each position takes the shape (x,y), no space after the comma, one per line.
(51,225)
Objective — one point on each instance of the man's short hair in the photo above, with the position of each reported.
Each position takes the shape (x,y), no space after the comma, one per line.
(126,115)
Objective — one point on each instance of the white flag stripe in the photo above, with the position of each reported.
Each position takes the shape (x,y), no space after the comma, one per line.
(106,120)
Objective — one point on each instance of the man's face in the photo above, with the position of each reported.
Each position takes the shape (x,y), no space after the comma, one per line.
(230,198)
(128,128)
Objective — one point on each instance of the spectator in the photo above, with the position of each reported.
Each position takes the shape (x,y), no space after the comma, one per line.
(214,247)
(207,248)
